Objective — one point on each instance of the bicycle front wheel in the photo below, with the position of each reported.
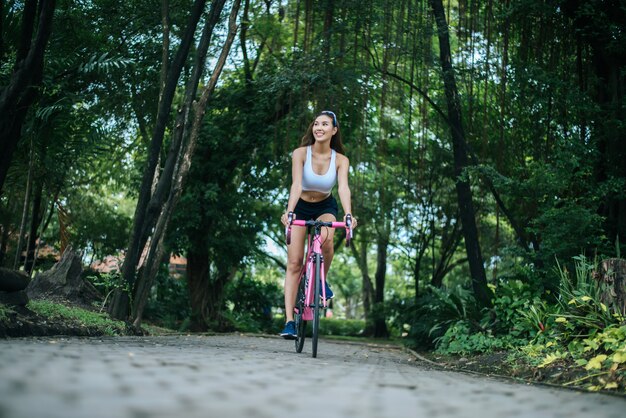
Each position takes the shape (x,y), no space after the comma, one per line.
(298,315)
(317,302)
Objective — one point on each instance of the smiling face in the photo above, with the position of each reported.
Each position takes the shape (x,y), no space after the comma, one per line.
(323,129)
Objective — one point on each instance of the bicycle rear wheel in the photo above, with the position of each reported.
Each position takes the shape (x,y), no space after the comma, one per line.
(298,315)
(317,302)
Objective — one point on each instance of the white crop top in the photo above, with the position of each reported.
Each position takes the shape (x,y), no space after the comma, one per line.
(323,183)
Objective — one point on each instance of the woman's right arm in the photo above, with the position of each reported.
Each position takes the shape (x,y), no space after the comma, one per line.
(297,164)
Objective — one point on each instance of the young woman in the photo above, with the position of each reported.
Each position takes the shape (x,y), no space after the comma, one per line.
(317,165)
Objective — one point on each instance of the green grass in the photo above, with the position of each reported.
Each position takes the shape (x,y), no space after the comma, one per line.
(4,313)
(81,317)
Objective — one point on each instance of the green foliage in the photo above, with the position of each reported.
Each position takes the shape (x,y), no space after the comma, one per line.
(105,283)
(599,360)
(5,311)
(576,330)
(329,326)
(78,316)
(251,303)
(428,319)
(504,326)
(460,338)
(535,316)
(342,327)
(582,312)
(98,224)
(168,303)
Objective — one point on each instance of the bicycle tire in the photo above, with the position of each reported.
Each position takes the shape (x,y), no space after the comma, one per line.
(300,323)
(317,301)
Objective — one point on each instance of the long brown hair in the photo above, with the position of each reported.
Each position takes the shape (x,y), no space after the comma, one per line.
(335,141)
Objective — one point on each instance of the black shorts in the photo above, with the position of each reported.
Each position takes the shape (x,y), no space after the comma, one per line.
(307,210)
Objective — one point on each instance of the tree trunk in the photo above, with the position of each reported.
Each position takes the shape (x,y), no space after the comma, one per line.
(29,184)
(17,97)
(183,159)
(120,302)
(417,265)
(164,184)
(2,53)
(449,245)
(206,293)
(612,272)
(35,221)
(464,192)
(243,36)
(198,268)
(380,325)
(368,286)
(165,50)
(4,241)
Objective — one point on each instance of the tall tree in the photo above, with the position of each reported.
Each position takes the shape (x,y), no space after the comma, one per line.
(19,94)
(463,190)
(190,131)
(120,303)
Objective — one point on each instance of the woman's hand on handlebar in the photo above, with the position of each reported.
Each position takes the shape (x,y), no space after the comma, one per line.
(285,218)
(353,220)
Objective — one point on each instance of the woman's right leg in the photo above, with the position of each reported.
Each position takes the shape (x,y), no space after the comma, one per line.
(295,254)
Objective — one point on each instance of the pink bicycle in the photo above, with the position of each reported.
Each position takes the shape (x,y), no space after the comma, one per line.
(311,296)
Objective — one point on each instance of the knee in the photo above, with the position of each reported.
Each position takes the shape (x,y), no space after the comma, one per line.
(294,266)
(328,249)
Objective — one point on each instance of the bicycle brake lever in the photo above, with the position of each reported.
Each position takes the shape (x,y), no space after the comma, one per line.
(348,229)
(290,218)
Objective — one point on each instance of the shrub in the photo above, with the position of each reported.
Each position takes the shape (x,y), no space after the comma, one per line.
(582,331)
(508,324)
(460,339)
(427,319)
(168,304)
(250,304)
(330,326)
(582,311)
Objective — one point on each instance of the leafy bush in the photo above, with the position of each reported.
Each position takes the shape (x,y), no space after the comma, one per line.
(250,304)
(342,327)
(105,283)
(428,318)
(168,305)
(581,330)
(600,359)
(330,326)
(504,326)
(582,311)
(460,339)
(5,311)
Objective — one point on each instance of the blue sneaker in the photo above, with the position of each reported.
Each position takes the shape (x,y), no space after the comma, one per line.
(289,332)
(329,293)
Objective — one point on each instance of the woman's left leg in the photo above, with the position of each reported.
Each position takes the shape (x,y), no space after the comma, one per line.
(328,234)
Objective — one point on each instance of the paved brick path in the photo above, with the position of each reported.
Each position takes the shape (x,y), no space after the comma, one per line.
(235,376)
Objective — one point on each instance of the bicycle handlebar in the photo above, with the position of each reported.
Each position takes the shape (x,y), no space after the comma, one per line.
(300,222)
(312,223)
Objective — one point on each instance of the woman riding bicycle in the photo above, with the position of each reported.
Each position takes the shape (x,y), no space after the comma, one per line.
(316,166)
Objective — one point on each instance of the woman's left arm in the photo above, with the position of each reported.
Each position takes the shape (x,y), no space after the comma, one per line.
(343,189)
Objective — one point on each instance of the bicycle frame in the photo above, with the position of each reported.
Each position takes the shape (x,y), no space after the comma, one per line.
(308,305)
